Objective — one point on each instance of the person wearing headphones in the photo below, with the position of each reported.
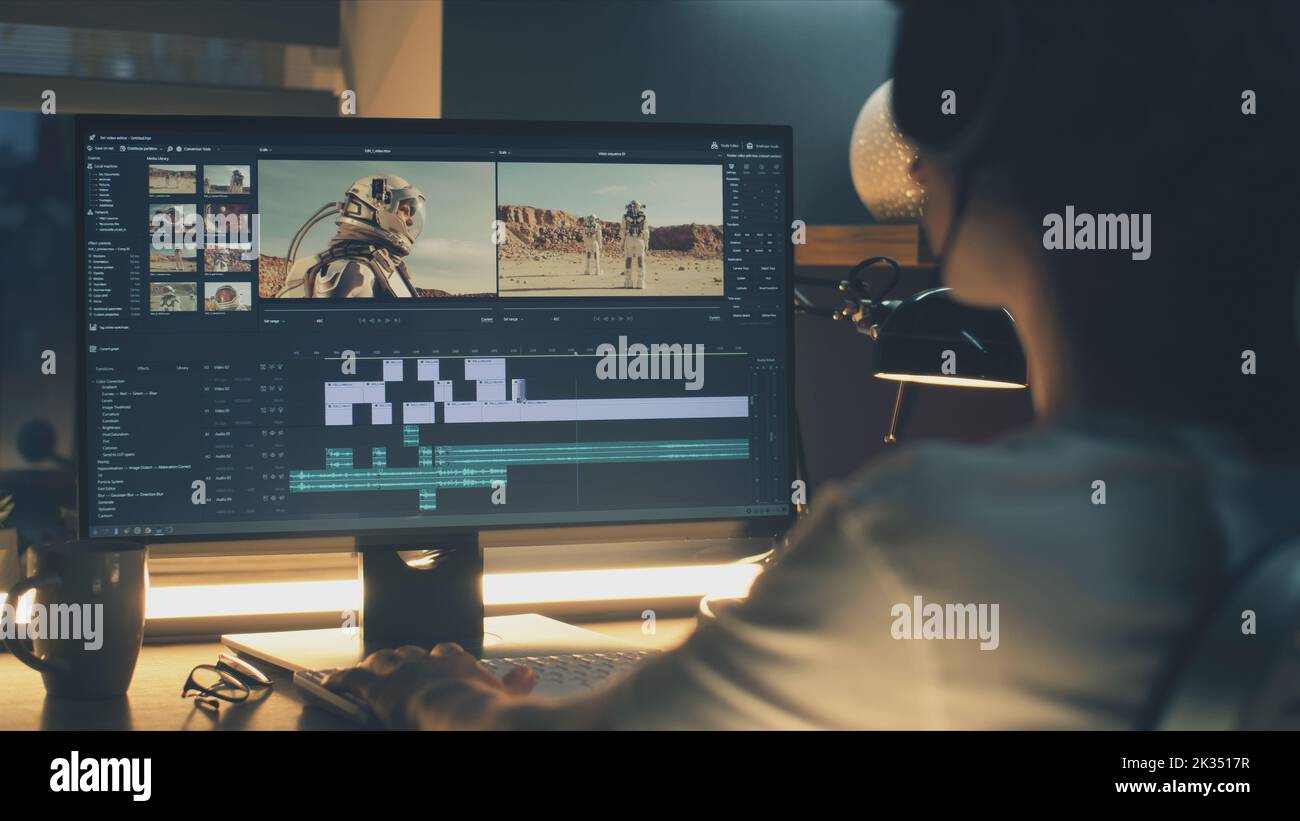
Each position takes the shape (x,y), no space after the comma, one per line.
(1170,376)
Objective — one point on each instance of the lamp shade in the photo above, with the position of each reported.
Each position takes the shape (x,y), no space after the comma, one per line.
(880,160)
(933,339)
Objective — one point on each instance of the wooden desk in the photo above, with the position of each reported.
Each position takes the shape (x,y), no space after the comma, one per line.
(154,702)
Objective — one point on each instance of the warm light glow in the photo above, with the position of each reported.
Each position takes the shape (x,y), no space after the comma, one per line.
(727,580)
(952,381)
(23,612)
(268,598)
(549,587)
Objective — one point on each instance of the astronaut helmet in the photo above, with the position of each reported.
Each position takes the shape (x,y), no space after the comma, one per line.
(591,221)
(383,208)
(634,208)
(226,297)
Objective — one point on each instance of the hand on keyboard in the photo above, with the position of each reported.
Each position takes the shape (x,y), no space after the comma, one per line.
(411,688)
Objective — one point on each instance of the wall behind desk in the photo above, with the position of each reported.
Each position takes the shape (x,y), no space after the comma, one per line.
(37,269)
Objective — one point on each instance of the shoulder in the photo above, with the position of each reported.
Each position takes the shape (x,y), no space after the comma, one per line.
(1036,486)
(349,266)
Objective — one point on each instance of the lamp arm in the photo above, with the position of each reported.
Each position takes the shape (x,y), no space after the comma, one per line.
(863,309)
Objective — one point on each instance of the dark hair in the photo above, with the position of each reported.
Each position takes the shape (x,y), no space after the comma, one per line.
(1135,107)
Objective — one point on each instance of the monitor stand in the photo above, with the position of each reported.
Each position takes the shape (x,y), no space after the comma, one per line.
(423,596)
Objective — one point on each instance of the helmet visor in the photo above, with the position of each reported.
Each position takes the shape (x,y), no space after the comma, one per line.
(407,205)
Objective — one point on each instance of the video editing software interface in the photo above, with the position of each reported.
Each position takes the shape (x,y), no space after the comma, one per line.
(330,331)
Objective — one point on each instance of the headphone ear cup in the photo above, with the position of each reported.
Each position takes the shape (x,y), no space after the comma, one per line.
(952,67)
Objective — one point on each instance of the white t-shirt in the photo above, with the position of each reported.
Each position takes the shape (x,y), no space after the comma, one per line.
(1093,599)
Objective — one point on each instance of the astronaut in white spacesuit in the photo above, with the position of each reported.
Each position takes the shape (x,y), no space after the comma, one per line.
(378,222)
(169,233)
(635,234)
(168,301)
(592,238)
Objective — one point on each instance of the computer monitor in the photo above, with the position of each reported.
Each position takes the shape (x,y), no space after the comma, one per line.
(380,328)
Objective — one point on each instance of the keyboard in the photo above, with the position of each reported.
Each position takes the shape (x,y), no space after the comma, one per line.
(573,673)
(312,684)
(570,674)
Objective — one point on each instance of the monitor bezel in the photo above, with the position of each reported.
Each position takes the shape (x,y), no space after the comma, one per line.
(626,530)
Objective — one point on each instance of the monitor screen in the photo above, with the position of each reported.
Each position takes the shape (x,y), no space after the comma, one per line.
(353,326)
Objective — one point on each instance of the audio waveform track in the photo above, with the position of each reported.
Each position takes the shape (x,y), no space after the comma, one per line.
(469,466)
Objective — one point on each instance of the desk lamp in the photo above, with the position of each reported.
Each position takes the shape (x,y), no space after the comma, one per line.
(928,338)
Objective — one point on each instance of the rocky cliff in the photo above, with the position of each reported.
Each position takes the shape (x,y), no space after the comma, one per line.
(542,229)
